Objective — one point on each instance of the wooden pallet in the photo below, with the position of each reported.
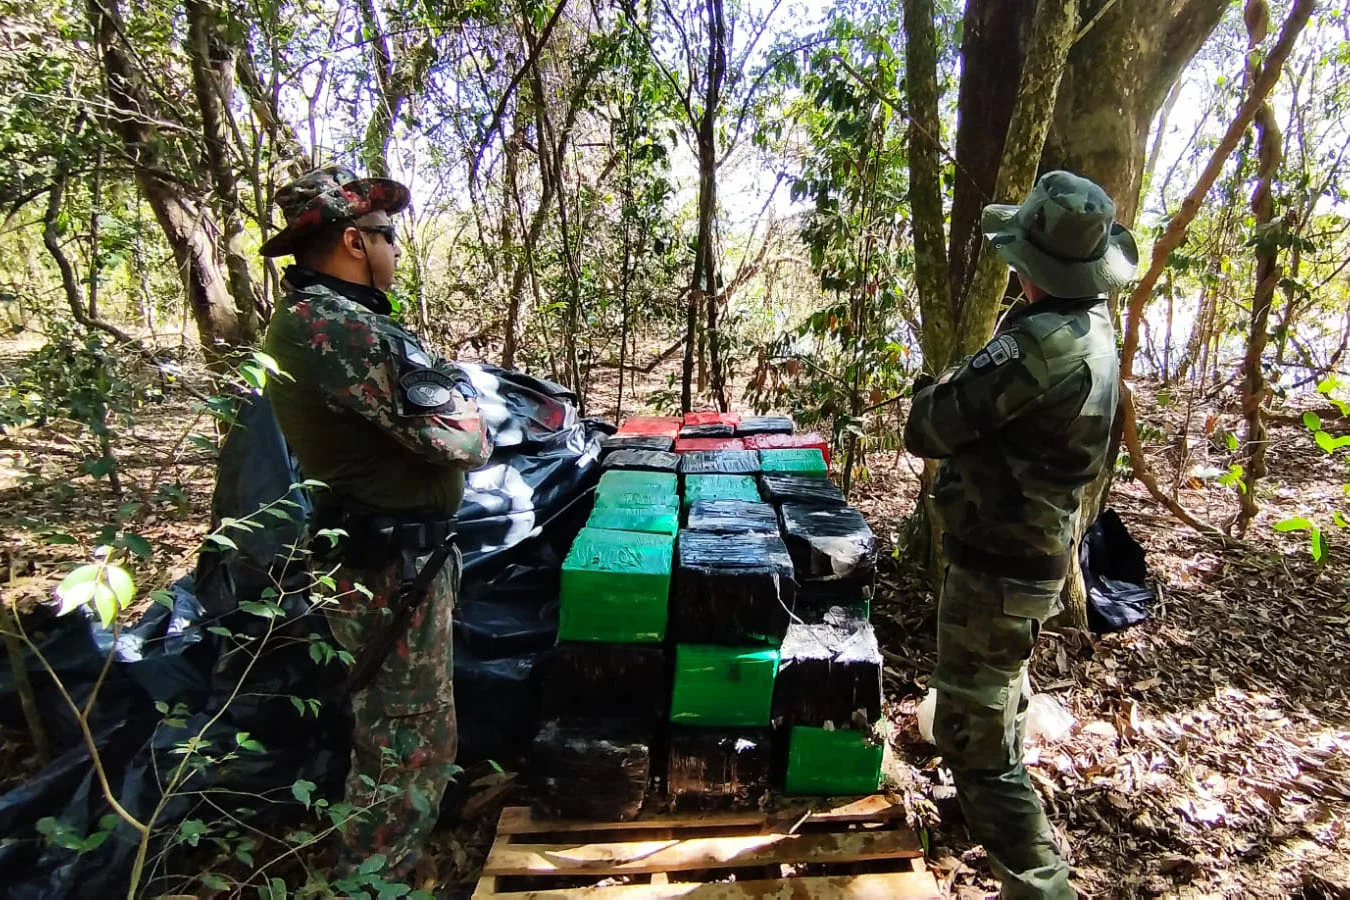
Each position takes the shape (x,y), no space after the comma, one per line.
(854,849)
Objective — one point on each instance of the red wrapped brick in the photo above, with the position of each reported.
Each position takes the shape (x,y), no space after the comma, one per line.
(809,441)
(661,426)
(685,445)
(711,417)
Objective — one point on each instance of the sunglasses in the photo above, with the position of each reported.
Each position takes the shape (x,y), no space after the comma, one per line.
(388,231)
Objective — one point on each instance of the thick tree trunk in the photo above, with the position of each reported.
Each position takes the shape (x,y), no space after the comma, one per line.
(925,185)
(1052,32)
(994,44)
(223,321)
(213,68)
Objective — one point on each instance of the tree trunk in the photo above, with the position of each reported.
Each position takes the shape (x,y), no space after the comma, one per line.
(925,184)
(1269,155)
(1052,32)
(213,68)
(223,321)
(994,44)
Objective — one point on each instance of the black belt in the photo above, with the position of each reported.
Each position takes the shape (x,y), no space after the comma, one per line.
(374,539)
(1031,568)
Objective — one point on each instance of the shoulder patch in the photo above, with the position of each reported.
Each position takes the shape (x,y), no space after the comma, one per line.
(426,390)
(415,354)
(997,352)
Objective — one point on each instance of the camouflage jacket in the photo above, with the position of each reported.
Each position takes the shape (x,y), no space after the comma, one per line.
(365,407)
(1021,427)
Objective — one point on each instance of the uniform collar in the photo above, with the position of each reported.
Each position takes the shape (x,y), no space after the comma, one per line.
(371,298)
(1053,304)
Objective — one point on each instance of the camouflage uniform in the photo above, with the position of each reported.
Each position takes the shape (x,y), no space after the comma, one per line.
(1021,427)
(391,429)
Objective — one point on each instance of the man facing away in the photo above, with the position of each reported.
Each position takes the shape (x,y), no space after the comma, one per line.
(390,428)
(1020,428)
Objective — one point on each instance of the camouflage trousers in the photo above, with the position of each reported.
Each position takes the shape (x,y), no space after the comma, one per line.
(404,740)
(986,629)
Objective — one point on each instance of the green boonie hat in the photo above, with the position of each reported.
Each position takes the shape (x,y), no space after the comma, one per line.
(330,194)
(1064,237)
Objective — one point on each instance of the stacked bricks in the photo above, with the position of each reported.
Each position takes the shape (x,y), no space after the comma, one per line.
(605,684)
(714,612)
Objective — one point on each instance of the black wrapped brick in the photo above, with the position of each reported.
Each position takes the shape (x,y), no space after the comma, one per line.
(730,589)
(732,516)
(720,462)
(799,489)
(829,672)
(716,430)
(714,767)
(817,596)
(828,542)
(619,681)
(636,442)
(590,768)
(643,460)
(764,425)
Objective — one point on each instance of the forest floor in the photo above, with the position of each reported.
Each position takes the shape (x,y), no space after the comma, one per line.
(1210,755)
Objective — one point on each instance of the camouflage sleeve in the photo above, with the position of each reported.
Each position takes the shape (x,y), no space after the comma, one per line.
(990,389)
(419,402)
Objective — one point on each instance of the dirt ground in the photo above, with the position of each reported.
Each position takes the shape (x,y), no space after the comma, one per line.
(1209,752)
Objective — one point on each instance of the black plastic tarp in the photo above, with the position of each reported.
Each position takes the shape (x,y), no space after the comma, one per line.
(519,515)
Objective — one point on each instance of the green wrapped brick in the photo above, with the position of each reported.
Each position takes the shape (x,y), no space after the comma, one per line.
(653,520)
(615,587)
(720,487)
(794,462)
(632,489)
(832,763)
(723,686)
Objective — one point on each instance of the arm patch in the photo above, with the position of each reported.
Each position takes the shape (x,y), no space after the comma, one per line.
(995,353)
(426,391)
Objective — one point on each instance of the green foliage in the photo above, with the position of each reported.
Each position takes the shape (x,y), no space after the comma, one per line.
(847,355)
(1335,447)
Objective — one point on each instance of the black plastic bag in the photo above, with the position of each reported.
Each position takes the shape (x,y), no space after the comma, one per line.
(1114,574)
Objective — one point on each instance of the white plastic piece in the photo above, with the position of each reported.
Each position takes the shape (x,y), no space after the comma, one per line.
(926,711)
(1047,720)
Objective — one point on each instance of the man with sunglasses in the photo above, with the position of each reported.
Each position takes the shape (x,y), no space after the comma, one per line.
(390,428)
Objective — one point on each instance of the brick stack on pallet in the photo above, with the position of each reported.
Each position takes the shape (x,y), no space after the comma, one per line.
(713,638)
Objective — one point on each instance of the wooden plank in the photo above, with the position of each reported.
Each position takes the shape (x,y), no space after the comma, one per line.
(874,807)
(628,857)
(887,886)
(486,887)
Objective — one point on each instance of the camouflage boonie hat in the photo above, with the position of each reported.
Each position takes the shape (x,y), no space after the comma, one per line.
(1064,237)
(330,194)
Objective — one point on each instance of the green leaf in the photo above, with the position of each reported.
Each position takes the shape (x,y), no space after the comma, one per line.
(213,881)
(163,598)
(1312,422)
(1298,523)
(220,631)
(223,541)
(278,889)
(1331,444)
(247,743)
(372,864)
(137,544)
(1339,518)
(1232,441)
(161,707)
(298,704)
(1318,544)
(394,890)
(57,538)
(302,790)
(190,831)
